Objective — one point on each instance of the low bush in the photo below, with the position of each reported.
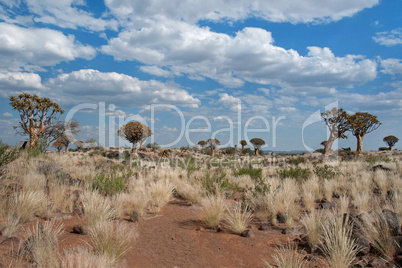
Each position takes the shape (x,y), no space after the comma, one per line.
(238,217)
(253,173)
(325,172)
(7,155)
(213,209)
(108,184)
(298,173)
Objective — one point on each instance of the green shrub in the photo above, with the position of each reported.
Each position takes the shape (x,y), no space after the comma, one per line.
(297,173)
(7,155)
(248,151)
(383,149)
(108,184)
(298,160)
(325,172)
(214,184)
(229,150)
(321,150)
(375,159)
(253,173)
(153,145)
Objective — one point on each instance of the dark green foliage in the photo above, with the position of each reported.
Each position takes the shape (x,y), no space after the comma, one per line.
(298,160)
(214,183)
(7,155)
(325,172)
(253,173)
(298,173)
(383,149)
(153,145)
(321,150)
(247,151)
(375,159)
(229,150)
(108,184)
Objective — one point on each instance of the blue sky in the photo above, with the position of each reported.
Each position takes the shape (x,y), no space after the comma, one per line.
(192,70)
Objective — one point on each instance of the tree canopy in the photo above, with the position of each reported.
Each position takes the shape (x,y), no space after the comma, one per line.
(390,141)
(36,114)
(257,143)
(361,124)
(213,143)
(134,132)
(243,143)
(202,143)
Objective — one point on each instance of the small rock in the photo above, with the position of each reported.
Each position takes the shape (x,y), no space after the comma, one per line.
(11,241)
(377,191)
(281,217)
(310,258)
(393,221)
(377,263)
(199,228)
(77,229)
(327,205)
(264,226)
(219,229)
(291,231)
(246,233)
(398,260)
(364,245)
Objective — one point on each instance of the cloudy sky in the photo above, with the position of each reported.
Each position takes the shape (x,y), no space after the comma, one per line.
(192,70)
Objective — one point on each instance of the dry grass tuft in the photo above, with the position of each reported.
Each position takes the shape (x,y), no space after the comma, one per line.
(42,242)
(213,209)
(25,205)
(287,257)
(11,226)
(160,192)
(238,217)
(83,258)
(97,208)
(337,243)
(313,224)
(112,239)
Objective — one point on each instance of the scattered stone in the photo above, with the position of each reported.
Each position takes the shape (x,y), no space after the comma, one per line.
(377,191)
(364,245)
(392,220)
(327,205)
(219,229)
(264,226)
(281,217)
(291,231)
(310,258)
(378,263)
(199,228)
(77,229)
(11,241)
(246,233)
(381,167)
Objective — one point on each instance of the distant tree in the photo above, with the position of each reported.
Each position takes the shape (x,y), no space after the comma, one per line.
(147,133)
(202,143)
(58,145)
(153,145)
(360,125)
(79,144)
(243,143)
(36,114)
(213,143)
(91,142)
(337,123)
(390,141)
(65,140)
(51,134)
(257,143)
(134,132)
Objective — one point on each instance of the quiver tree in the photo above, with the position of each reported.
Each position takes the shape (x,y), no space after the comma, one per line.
(79,144)
(37,115)
(360,125)
(257,143)
(243,143)
(58,145)
(65,140)
(202,143)
(390,141)
(337,123)
(134,132)
(147,133)
(213,143)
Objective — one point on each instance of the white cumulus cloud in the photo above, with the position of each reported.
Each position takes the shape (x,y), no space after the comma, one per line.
(389,38)
(392,66)
(30,48)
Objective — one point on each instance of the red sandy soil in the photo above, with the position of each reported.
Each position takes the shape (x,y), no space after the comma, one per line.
(177,238)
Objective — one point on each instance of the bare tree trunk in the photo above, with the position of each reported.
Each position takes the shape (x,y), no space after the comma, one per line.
(359,148)
(134,150)
(327,149)
(142,144)
(32,138)
(212,152)
(257,151)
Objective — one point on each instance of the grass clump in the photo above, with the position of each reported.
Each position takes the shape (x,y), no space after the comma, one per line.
(287,257)
(213,209)
(325,172)
(238,217)
(337,243)
(25,205)
(112,239)
(160,192)
(312,223)
(83,258)
(298,173)
(97,208)
(254,173)
(42,242)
